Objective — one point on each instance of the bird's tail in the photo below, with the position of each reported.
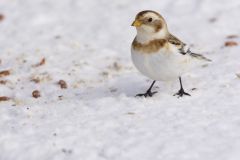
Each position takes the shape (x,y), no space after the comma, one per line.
(200,57)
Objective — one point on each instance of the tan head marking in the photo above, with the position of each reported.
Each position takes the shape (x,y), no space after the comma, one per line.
(149,19)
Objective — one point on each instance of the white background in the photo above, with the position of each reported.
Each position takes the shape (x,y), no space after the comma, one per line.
(87,44)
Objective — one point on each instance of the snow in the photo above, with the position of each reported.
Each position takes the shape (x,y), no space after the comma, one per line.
(87,44)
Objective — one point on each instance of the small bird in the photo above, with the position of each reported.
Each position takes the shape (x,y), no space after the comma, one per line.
(158,54)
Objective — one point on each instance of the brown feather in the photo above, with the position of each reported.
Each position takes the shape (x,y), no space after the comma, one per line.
(141,14)
(175,41)
(150,47)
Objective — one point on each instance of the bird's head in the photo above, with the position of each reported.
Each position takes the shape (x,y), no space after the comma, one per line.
(150,23)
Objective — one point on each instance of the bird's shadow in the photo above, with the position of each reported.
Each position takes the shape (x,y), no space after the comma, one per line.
(126,86)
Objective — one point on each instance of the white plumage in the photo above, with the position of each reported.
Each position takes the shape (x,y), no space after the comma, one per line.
(158,54)
(165,65)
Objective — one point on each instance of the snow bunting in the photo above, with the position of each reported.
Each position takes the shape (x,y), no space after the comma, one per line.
(157,53)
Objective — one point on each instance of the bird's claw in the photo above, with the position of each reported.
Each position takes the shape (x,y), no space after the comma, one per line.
(181,93)
(147,94)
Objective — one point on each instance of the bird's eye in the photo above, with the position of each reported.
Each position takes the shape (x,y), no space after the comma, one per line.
(150,19)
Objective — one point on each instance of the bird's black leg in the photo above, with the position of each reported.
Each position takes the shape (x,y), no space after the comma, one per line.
(149,93)
(181,92)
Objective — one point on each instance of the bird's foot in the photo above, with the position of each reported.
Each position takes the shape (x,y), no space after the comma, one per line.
(149,93)
(181,93)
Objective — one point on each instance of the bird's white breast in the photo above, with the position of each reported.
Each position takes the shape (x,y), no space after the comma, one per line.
(165,65)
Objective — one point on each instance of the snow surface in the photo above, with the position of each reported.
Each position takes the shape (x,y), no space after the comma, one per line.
(87,44)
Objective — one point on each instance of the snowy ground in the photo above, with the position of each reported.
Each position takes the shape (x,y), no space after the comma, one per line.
(87,44)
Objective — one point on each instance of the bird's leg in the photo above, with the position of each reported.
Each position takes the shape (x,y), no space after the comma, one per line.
(149,93)
(181,92)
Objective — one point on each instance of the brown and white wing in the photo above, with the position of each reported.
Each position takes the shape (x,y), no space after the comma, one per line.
(184,49)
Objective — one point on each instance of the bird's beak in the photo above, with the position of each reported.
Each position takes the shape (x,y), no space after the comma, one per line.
(137,23)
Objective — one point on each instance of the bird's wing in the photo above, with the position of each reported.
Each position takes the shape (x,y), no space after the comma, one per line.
(175,41)
(181,46)
(184,49)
